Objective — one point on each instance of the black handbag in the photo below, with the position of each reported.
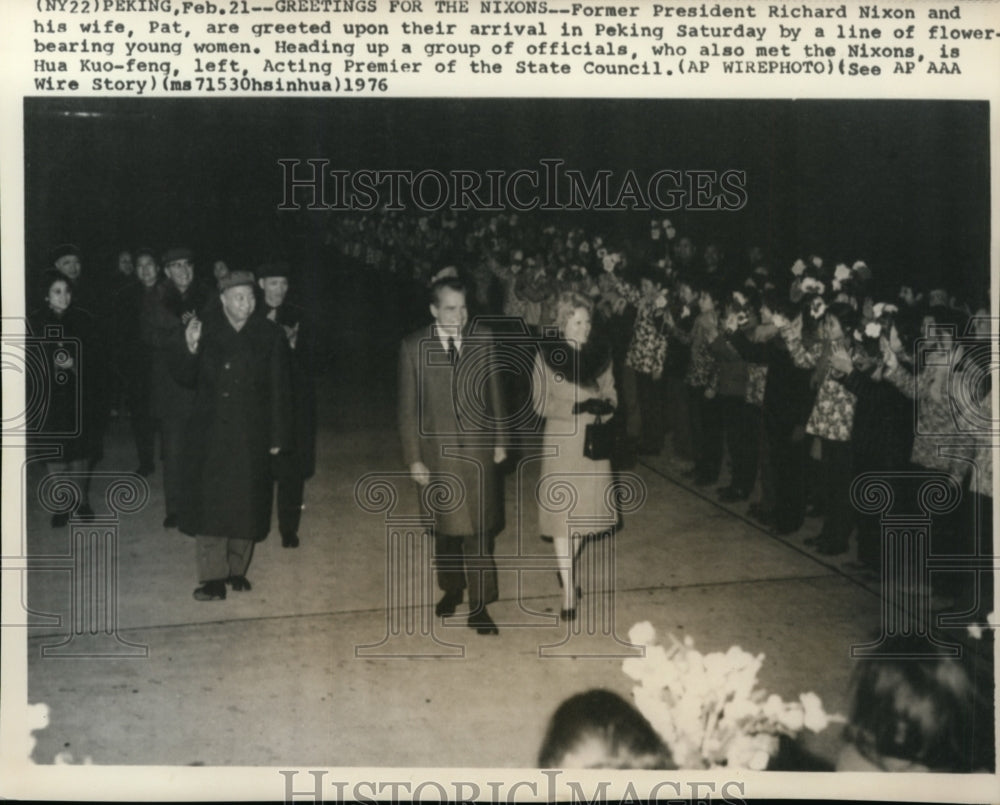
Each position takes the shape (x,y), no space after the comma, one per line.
(599,440)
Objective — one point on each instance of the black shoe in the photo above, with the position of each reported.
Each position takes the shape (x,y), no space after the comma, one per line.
(239,583)
(59,520)
(145,470)
(568,614)
(545,538)
(483,623)
(447,604)
(211,591)
(170,521)
(290,541)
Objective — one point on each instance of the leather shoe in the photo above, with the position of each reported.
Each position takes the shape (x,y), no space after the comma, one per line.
(239,583)
(170,521)
(290,541)
(568,614)
(211,591)
(447,604)
(483,623)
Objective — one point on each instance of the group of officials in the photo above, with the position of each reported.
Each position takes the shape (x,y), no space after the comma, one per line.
(223,375)
(223,378)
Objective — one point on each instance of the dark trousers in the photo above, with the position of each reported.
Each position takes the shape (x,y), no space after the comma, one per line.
(287,475)
(652,430)
(172,429)
(836,478)
(741,426)
(708,442)
(467,562)
(143,424)
(788,462)
(678,415)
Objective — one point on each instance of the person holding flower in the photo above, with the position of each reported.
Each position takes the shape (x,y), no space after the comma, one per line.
(882,434)
(832,417)
(644,361)
(787,403)
(573,386)
(701,383)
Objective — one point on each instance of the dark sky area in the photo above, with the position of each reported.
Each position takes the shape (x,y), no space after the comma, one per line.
(902,184)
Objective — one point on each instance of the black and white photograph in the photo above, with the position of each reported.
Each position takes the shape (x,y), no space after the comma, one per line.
(550,433)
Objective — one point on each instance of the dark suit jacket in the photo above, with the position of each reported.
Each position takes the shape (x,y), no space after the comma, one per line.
(451,419)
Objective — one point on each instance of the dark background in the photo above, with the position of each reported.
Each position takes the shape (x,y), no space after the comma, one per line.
(903,185)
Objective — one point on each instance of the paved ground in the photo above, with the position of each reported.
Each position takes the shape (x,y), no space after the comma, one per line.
(275,676)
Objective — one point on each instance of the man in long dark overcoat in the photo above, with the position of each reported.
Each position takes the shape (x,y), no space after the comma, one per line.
(241,417)
(180,298)
(451,427)
(291,468)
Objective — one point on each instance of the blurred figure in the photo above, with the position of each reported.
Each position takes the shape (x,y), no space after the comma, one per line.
(74,380)
(598,729)
(914,714)
(291,468)
(134,353)
(181,299)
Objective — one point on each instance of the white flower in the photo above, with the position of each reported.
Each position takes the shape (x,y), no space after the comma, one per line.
(883,308)
(818,308)
(814,717)
(661,263)
(667,224)
(842,272)
(975,631)
(642,634)
(749,283)
(817,261)
(858,336)
(813,285)
(661,301)
(585,247)
(671,232)
(793,718)
(598,242)
(836,284)
(609,262)
(654,234)
(685,312)
(873,329)
(798,267)
(740,299)
(859,265)
(512,219)
(601,252)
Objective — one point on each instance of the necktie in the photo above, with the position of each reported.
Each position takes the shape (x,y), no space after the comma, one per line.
(452,351)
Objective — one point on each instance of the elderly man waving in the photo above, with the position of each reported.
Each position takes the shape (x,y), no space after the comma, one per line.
(238,364)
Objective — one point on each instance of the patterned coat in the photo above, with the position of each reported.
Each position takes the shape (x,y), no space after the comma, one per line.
(832,415)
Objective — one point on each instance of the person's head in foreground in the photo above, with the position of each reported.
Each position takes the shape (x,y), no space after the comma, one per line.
(911,713)
(598,729)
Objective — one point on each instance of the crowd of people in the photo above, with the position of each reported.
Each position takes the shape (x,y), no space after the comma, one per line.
(226,383)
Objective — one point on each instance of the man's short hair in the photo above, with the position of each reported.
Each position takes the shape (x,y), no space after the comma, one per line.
(445,283)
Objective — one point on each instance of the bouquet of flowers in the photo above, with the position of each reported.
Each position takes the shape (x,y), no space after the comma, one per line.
(708,708)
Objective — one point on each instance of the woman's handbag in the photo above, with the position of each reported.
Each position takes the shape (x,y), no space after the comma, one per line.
(599,440)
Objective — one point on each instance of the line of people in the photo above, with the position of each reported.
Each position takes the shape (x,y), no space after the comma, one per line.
(225,381)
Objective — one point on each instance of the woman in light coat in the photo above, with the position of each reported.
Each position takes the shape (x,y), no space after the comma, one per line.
(573,386)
